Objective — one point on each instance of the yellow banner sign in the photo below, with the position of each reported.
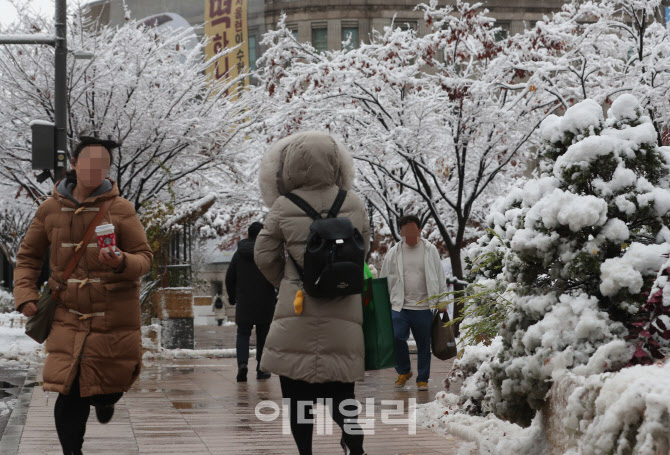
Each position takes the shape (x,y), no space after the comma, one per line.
(226,26)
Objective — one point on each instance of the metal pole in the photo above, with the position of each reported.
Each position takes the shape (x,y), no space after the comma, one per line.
(60,90)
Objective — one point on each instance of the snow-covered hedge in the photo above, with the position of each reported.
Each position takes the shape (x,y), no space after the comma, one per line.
(609,413)
(576,248)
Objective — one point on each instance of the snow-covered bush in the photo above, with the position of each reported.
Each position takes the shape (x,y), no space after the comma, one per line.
(6,301)
(610,413)
(624,412)
(580,244)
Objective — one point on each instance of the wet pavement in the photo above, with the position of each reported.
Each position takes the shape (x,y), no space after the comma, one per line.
(197,407)
(11,382)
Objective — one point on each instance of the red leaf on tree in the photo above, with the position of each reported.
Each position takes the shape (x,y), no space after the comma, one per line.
(639,352)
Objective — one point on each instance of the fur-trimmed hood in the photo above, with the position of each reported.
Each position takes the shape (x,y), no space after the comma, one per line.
(309,160)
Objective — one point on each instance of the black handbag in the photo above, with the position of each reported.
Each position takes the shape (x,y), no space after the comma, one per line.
(442,339)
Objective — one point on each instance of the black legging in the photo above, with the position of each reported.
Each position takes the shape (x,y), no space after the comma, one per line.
(304,391)
(71,413)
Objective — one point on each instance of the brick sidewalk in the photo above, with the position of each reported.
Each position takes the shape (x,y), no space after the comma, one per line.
(195,406)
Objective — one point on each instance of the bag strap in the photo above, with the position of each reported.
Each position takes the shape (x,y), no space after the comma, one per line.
(79,251)
(311,212)
(301,272)
(304,206)
(337,205)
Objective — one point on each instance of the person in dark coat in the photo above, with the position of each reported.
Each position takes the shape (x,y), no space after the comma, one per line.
(255,300)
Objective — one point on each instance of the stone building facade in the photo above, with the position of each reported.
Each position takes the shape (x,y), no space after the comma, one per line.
(326,23)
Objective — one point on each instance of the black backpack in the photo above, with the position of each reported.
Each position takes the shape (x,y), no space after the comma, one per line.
(334,254)
(218,303)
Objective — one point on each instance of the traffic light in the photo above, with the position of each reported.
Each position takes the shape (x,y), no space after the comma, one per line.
(44,145)
(45,156)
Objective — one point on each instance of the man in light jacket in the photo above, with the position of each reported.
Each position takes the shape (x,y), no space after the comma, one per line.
(413,269)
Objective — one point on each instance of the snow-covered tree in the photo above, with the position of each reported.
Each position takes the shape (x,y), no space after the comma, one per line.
(599,49)
(574,252)
(432,121)
(15,218)
(147,90)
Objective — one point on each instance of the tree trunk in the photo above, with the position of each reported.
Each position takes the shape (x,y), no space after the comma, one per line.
(457,270)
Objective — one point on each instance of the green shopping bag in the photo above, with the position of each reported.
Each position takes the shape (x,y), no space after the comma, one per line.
(377,324)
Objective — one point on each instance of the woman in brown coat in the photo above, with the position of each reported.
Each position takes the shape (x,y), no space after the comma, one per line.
(94,347)
(319,352)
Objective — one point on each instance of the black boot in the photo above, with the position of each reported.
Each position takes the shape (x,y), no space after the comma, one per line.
(346,449)
(263,375)
(104,413)
(242,373)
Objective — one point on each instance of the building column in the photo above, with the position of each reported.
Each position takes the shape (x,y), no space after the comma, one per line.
(304,31)
(335,34)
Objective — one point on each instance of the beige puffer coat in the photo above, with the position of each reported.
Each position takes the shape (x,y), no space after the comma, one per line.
(325,342)
(107,348)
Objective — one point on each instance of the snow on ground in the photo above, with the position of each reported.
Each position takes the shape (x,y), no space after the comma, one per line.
(12,320)
(7,406)
(17,347)
(483,435)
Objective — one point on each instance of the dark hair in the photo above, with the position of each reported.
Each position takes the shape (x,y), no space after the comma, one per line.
(87,141)
(254,229)
(407,219)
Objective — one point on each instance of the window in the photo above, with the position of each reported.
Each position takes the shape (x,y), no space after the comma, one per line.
(502,33)
(294,31)
(252,52)
(350,31)
(405,24)
(320,39)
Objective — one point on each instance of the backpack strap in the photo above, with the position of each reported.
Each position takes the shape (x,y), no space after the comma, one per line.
(301,272)
(337,205)
(304,206)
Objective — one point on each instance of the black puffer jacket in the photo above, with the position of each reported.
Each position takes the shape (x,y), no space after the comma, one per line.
(247,288)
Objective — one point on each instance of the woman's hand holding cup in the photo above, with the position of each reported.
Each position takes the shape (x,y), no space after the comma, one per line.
(109,253)
(111,256)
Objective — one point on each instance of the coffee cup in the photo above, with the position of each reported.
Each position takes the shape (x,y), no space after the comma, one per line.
(106,237)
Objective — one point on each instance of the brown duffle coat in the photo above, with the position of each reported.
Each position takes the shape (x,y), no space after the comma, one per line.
(106,348)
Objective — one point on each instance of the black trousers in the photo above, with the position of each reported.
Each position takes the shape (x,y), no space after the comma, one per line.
(71,413)
(301,391)
(242,342)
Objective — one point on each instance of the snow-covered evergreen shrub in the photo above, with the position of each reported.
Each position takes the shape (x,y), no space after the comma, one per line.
(580,244)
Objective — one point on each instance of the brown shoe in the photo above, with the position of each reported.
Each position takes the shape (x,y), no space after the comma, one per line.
(422,386)
(402,379)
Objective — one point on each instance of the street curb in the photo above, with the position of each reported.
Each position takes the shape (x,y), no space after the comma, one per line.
(11,438)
